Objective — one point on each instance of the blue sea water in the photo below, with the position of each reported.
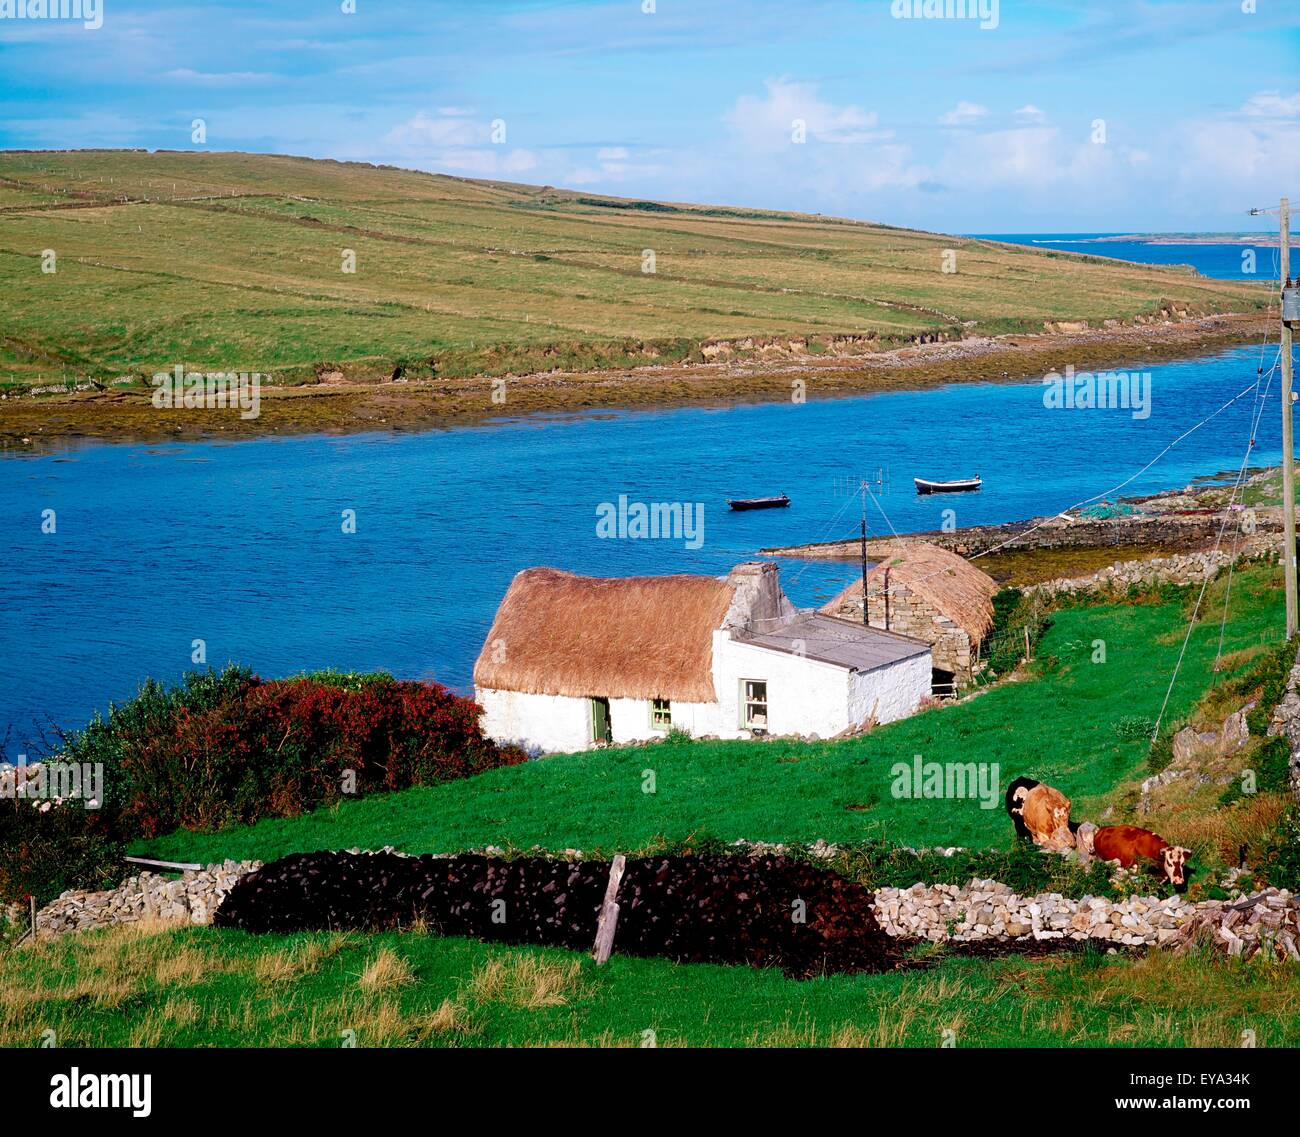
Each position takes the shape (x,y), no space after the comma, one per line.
(1220,261)
(241,545)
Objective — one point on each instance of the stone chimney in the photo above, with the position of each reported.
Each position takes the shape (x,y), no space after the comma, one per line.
(757,604)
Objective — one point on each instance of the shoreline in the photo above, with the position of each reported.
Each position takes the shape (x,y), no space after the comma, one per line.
(30,422)
(1168,523)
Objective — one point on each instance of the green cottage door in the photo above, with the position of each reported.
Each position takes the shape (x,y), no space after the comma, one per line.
(600,731)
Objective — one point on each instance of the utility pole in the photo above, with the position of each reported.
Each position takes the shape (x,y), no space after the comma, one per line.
(864,553)
(1288,444)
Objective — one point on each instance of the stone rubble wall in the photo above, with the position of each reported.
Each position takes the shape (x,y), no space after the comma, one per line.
(980,910)
(191,899)
(1181,568)
(1268,922)
(988,910)
(148,896)
(1187,531)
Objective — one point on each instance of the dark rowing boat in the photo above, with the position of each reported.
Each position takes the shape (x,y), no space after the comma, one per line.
(961,485)
(759,502)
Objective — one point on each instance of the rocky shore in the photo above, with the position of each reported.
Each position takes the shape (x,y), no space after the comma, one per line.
(728,372)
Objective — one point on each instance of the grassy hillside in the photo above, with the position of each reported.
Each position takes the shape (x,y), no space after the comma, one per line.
(1080,725)
(234,261)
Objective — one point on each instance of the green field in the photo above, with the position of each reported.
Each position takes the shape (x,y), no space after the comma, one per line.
(199,987)
(234,262)
(1081,726)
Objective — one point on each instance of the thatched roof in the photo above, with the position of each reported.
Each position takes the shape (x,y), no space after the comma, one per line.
(948,582)
(640,637)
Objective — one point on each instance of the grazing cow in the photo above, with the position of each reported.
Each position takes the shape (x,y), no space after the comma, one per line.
(1016,793)
(1041,813)
(1130,845)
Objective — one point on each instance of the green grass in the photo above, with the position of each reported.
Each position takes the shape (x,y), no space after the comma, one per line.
(1074,723)
(466,276)
(200,987)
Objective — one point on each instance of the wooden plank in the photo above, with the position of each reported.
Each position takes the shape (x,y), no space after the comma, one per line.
(608,919)
(162,864)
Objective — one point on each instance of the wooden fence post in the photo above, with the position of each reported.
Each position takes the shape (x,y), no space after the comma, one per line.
(608,919)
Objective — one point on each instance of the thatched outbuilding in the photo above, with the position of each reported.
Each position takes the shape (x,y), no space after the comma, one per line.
(574,661)
(932,594)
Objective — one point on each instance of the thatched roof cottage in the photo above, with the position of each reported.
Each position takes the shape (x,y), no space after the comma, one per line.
(932,594)
(573,661)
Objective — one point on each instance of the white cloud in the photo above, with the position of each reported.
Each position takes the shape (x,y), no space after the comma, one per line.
(215,78)
(487,163)
(451,138)
(1271,104)
(963,114)
(1030,113)
(1236,158)
(769,122)
(439,129)
(845,161)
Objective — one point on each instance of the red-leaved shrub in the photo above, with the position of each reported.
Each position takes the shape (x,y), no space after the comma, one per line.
(243,749)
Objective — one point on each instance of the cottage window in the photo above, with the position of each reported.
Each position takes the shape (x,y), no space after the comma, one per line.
(754,704)
(661,714)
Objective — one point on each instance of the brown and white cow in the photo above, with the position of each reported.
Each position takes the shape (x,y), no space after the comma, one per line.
(1130,846)
(1040,812)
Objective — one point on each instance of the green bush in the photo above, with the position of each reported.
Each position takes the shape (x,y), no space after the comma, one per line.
(1281,867)
(347,680)
(45,851)
(1266,682)
(1013,612)
(226,748)
(1162,748)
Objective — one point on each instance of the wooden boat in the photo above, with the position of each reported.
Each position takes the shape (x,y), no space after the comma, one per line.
(759,502)
(961,485)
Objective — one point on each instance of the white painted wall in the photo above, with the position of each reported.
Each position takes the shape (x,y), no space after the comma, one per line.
(630,719)
(804,696)
(553,722)
(893,692)
(563,722)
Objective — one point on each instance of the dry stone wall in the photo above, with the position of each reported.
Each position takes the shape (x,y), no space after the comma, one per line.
(1181,568)
(192,899)
(988,910)
(983,910)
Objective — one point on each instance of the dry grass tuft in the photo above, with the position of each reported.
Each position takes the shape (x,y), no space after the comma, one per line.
(526,981)
(300,960)
(385,972)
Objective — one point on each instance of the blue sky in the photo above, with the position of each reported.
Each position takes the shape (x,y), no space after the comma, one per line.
(937,123)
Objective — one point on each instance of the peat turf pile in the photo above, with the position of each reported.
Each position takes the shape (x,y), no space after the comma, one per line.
(763,911)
